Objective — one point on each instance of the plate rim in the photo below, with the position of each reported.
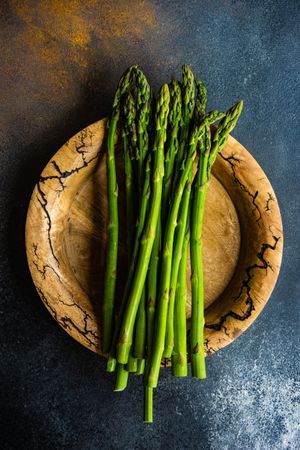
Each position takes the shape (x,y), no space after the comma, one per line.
(85,331)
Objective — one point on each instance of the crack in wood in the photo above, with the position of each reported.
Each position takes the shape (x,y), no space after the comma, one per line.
(44,266)
(254,196)
(43,201)
(246,285)
(268,201)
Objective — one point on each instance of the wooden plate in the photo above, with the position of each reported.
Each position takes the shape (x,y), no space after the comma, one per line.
(66,234)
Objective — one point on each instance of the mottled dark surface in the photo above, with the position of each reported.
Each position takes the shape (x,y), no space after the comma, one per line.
(60,62)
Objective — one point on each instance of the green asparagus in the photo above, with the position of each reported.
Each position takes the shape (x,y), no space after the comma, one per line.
(147,239)
(113,220)
(165,204)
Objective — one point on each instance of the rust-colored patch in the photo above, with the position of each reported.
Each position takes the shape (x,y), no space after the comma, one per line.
(75,21)
(58,35)
(125,19)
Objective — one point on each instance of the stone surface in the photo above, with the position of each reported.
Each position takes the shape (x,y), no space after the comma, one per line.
(59,67)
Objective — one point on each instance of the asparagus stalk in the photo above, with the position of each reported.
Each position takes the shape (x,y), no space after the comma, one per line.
(130,113)
(122,378)
(161,320)
(147,239)
(113,220)
(206,159)
(199,118)
(180,234)
(197,327)
(140,366)
(188,104)
(132,364)
(143,98)
(201,99)
(188,82)
(130,209)
(128,139)
(111,363)
(224,129)
(143,102)
(174,126)
(140,329)
(152,281)
(179,355)
(167,253)
(140,325)
(148,407)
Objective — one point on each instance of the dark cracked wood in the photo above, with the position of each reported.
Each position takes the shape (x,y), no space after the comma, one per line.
(66,235)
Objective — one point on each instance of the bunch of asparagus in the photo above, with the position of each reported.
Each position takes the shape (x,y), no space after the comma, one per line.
(162,140)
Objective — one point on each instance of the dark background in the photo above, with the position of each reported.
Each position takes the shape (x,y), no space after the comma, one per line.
(60,61)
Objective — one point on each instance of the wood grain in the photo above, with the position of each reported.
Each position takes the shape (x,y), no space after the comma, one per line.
(66,235)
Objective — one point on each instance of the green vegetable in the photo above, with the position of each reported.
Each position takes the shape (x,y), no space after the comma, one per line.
(175,119)
(188,104)
(178,244)
(113,220)
(147,239)
(167,254)
(122,378)
(179,355)
(207,156)
(165,205)
(197,328)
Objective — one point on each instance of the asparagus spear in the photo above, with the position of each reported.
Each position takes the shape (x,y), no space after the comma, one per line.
(136,141)
(143,99)
(111,364)
(122,378)
(130,131)
(128,139)
(143,96)
(152,281)
(197,327)
(188,94)
(224,129)
(146,242)
(140,329)
(199,118)
(188,110)
(129,142)
(132,364)
(180,234)
(201,99)
(148,407)
(206,159)
(129,135)
(113,221)
(140,366)
(179,355)
(163,297)
(174,126)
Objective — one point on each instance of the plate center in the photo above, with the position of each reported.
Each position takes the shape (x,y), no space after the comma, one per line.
(85,237)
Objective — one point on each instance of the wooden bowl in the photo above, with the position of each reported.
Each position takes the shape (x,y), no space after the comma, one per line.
(66,235)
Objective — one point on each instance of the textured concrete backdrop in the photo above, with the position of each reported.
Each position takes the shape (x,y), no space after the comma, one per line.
(60,61)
